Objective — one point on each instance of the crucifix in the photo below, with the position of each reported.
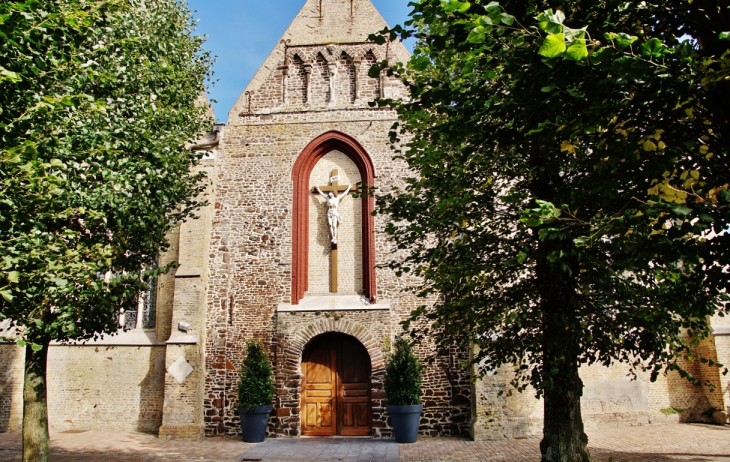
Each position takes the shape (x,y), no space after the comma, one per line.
(335,193)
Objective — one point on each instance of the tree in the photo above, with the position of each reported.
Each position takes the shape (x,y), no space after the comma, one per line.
(97,102)
(570,188)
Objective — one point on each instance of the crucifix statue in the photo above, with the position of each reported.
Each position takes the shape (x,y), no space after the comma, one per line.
(334,194)
(333,215)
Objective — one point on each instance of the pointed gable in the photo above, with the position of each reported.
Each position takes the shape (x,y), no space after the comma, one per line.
(324,22)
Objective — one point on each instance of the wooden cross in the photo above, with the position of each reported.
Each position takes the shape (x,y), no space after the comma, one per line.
(336,189)
(335,186)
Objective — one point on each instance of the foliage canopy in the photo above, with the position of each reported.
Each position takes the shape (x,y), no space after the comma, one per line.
(570,192)
(98,100)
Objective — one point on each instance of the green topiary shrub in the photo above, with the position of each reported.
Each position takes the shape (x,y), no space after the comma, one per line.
(403,375)
(256,385)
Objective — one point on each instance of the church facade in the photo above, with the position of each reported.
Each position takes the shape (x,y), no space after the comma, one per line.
(288,251)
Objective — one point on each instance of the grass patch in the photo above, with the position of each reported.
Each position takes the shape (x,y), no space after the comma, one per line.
(671,411)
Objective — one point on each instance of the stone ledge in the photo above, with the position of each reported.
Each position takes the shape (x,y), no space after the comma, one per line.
(177,339)
(128,338)
(333,303)
(186,272)
(721,330)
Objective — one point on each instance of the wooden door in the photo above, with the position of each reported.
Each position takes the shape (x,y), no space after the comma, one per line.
(319,388)
(336,387)
(353,388)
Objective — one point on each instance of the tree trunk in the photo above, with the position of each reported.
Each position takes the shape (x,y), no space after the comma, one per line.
(563,437)
(36,443)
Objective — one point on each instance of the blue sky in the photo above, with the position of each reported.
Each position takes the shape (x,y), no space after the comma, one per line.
(242,33)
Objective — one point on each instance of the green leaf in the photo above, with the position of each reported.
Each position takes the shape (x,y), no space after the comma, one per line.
(553,46)
(550,22)
(493,7)
(453,6)
(13,277)
(477,35)
(7,295)
(507,19)
(464,7)
(681,210)
(36,347)
(654,48)
(625,40)
(9,75)
(724,36)
(577,50)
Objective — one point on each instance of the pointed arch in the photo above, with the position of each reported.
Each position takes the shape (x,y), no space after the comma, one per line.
(315,150)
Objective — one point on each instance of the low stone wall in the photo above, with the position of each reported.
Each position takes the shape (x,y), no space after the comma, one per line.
(610,400)
(116,388)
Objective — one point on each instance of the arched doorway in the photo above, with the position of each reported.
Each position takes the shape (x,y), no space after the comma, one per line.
(336,387)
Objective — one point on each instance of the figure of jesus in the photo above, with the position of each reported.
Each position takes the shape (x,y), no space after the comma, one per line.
(333,215)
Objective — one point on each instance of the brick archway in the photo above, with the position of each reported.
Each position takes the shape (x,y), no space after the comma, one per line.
(298,343)
(292,341)
(315,150)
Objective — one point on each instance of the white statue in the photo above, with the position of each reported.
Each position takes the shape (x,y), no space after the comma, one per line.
(333,215)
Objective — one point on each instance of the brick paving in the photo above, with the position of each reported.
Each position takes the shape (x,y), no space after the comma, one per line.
(689,442)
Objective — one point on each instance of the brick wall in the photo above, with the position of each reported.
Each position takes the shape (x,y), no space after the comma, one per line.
(12,358)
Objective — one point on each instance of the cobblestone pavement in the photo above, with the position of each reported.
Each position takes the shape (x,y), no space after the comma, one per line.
(689,442)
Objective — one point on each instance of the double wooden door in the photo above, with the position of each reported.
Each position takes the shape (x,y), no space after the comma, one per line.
(336,387)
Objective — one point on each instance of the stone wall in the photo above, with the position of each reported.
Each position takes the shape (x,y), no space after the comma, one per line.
(115,388)
(610,399)
(251,254)
(12,360)
(722,345)
(447,394)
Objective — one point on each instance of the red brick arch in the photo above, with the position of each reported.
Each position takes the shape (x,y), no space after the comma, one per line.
(315,150)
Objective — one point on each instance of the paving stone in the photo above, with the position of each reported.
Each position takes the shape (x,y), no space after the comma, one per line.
(670,443)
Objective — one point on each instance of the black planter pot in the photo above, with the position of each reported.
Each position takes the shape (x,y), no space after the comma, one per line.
(254,422)
(405,422)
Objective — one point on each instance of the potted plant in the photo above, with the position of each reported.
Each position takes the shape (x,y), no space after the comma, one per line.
(255,393)
(403,378)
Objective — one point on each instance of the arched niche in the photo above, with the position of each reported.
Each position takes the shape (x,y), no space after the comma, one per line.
(308,158)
